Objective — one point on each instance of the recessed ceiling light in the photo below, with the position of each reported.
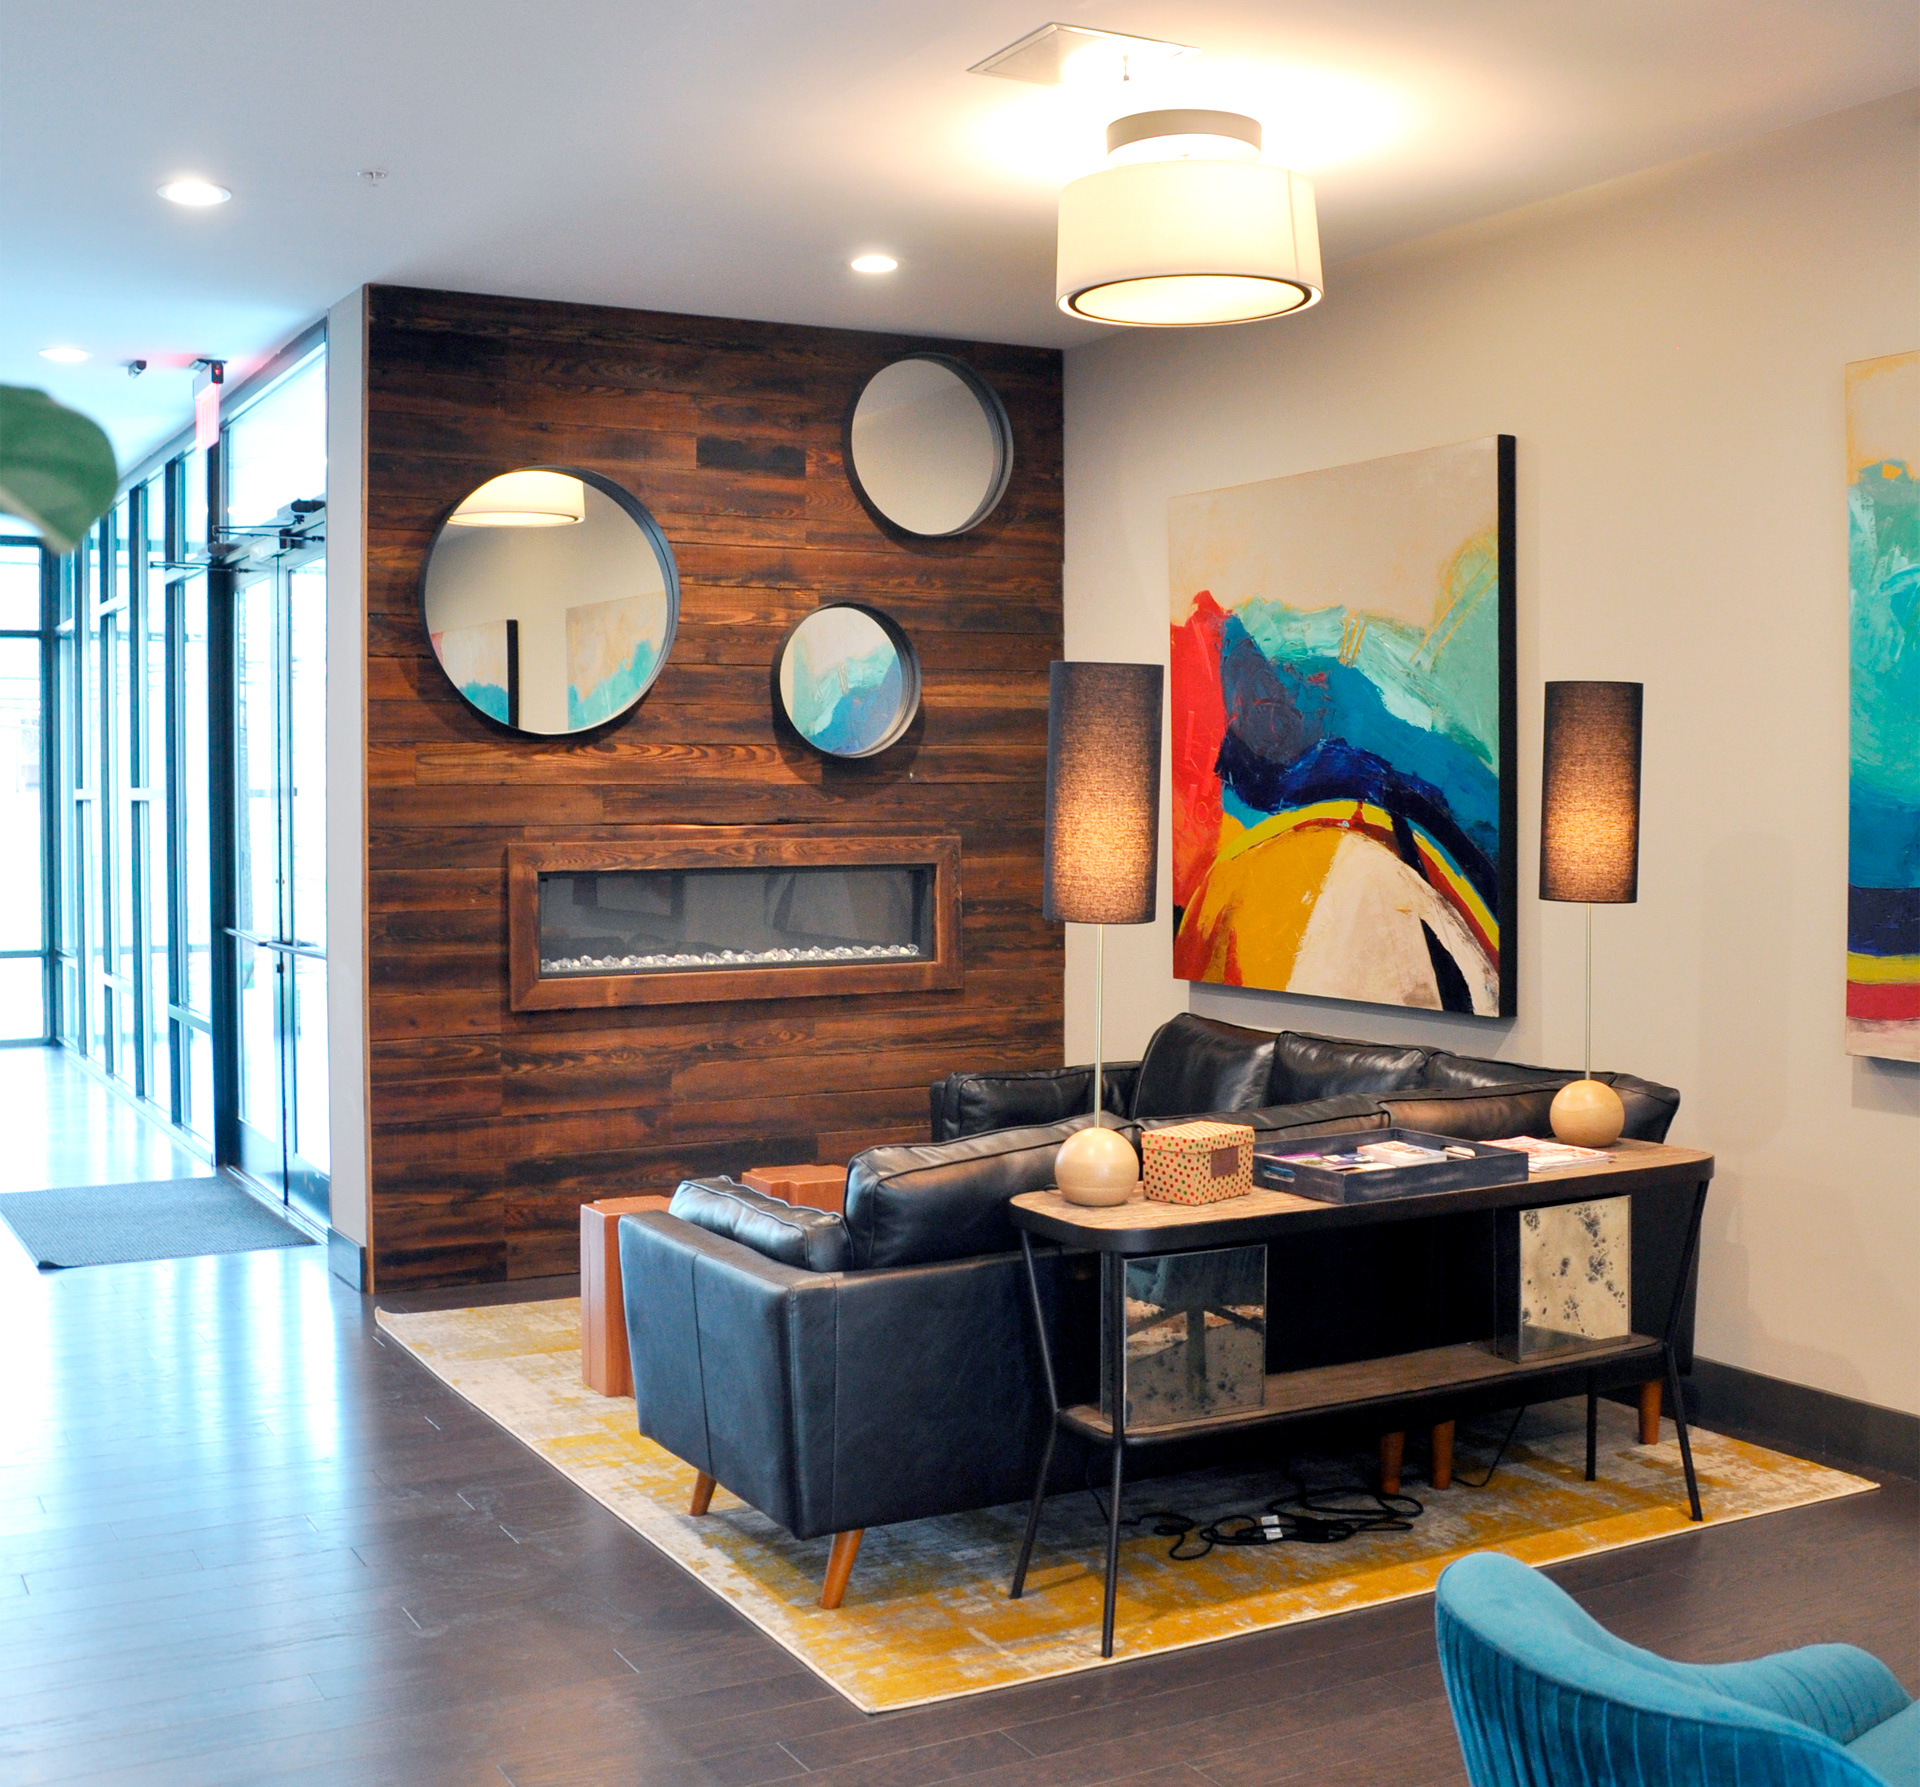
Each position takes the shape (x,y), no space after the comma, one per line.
(195,192)
(64,356)
(873,263)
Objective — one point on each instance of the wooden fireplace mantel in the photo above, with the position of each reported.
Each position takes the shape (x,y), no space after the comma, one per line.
(729,847)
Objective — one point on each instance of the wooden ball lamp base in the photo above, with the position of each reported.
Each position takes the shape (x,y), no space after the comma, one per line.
(1588,1113)
(1096,1167)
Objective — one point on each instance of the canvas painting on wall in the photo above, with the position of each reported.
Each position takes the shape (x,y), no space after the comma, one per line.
(613,654)
(484,662)
(1883,818)
(1342,689)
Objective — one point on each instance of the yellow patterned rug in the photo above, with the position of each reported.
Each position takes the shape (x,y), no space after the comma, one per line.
(928,1618)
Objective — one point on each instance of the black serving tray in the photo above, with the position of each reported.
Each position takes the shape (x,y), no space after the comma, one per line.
(1489,1166)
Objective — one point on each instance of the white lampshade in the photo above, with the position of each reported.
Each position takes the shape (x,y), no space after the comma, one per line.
(1172,244)
(524,499)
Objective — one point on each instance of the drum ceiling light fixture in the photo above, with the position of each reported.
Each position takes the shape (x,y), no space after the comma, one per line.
(1186,226)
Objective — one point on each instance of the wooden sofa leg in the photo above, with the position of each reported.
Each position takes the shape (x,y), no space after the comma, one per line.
(703,1488)
(1393,1452)
(846,1547)
(1650,1413)
(1441,1473)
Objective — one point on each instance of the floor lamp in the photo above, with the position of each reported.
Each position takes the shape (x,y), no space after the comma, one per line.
(1102,862)
(1590,852)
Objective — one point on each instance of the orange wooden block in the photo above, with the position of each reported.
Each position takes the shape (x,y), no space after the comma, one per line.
(604,1364)
(818,1187)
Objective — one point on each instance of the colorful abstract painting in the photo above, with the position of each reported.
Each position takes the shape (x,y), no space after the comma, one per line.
(848,681)
(613,654)
(1883,560)
(1342,689)
(483,661)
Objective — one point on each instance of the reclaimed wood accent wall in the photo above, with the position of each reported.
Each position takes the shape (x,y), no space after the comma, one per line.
(491,1127)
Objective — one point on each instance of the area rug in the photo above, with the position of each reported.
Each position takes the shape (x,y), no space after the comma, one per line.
(927,1617)
(155,1219)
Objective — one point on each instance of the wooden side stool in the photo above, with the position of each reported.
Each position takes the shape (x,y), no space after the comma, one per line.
(818,1187)
(604,1365)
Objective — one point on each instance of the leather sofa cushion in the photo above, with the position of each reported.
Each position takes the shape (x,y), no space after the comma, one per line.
(1309,1067)
(1448,1072)
(1197,1064)
(972,1103)
(812,1240)
(1487,1116)
(914,1203)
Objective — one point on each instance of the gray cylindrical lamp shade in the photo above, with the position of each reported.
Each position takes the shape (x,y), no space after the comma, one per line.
(1590,793)
(1103,793)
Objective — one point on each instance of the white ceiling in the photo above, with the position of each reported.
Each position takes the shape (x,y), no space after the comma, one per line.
(730,156)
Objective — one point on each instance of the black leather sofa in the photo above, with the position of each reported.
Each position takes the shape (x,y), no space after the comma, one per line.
(845,1371)
(1195,1065)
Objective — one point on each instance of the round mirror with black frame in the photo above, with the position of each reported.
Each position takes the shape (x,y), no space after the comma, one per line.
(551,598)
(929,448)
(848,680)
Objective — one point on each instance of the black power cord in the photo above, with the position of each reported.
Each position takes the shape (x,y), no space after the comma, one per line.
(1304,1517)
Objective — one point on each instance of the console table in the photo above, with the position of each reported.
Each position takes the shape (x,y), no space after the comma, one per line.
(1399,1385)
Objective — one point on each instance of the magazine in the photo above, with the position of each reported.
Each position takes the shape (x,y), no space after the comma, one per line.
(1544,1157)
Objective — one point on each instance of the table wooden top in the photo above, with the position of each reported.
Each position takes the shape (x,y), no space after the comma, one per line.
(1145,1225)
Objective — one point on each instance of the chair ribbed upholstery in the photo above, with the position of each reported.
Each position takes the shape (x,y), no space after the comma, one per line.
(1543,1696)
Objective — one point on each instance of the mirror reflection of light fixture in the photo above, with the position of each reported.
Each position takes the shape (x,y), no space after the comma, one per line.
(524,499)
(1186,226)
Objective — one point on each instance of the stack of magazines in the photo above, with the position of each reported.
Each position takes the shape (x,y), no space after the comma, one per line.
(1544,1157)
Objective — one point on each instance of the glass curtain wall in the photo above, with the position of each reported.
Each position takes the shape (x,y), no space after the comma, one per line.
(23,803)
(183,646)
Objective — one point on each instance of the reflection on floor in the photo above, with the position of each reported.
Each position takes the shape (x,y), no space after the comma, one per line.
(63,1127)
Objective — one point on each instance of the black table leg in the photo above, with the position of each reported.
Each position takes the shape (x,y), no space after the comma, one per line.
(1053,1421)
(1680,1429)
(1593,1429)
(1116,1344)
(1671,1351)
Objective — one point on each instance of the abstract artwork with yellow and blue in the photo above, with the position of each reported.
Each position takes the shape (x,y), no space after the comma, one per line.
(1883,563)
(1342,680)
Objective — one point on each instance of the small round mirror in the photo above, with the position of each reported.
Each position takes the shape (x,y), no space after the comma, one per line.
(929,447)
(848,680)
(551,599)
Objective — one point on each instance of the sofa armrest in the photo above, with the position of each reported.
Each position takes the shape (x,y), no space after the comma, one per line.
(831,1401)
(1650,1106)
(716,1333)
(965,1104)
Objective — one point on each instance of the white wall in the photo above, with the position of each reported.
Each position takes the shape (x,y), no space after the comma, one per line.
(347,765)
(1668,351)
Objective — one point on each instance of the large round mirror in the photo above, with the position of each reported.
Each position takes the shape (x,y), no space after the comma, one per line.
(929,448)
(551,599)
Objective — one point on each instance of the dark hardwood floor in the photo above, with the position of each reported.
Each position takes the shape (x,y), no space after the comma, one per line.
(243,1540)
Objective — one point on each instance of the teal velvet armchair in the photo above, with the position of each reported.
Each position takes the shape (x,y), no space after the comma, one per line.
(1542,1696)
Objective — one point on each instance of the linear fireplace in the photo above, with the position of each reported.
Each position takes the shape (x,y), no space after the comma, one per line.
(692,913)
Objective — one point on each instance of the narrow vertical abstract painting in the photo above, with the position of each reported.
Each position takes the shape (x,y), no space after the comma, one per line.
(1883,808)
(613,654)
(1343,688)
(484,662)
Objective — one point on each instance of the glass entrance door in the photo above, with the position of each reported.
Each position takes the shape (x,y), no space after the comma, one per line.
(279,931)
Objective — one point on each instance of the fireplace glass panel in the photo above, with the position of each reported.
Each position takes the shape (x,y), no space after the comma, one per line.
(676,921)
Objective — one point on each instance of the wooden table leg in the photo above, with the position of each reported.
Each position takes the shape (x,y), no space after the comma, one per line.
(1441,1439)
(703,1488)
(1650,1413)
(846,1547)
(1393,1452)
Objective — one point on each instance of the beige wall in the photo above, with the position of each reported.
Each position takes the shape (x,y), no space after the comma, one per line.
(1668,351)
